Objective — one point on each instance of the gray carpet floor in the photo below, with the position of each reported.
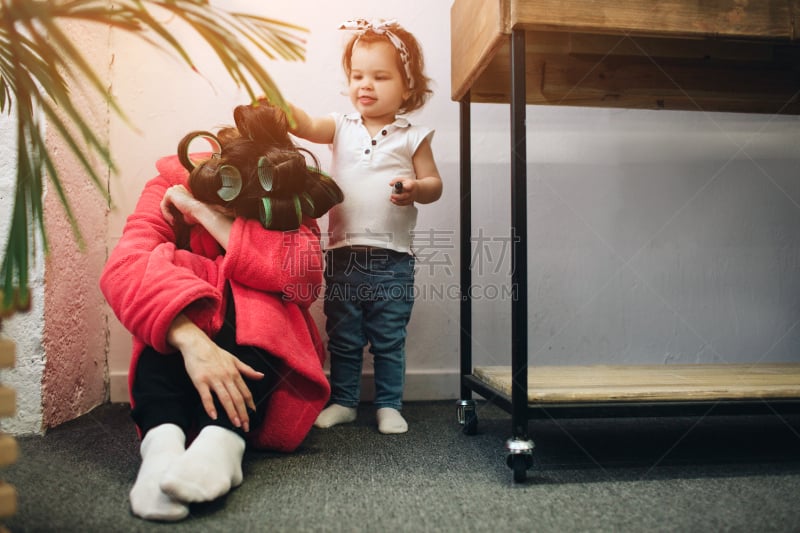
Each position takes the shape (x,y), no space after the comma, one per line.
(731,473)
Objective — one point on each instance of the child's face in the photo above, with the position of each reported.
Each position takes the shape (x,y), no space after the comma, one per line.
(377,87)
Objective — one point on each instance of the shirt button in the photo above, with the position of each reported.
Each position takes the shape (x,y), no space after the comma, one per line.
(366,151)
(374,142)
(384,132)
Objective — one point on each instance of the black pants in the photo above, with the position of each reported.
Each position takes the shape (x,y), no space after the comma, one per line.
(163,392)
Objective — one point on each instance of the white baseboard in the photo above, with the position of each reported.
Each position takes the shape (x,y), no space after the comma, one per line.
(420,385)
(118,387)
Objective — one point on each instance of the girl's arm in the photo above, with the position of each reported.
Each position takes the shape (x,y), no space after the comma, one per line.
(318,130)
(427,188)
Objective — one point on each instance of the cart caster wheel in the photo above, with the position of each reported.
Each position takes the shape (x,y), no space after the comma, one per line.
(470,425)
(467,417)
(520,458)
(520,464)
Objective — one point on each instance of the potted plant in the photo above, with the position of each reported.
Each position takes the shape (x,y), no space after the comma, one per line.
(39,61)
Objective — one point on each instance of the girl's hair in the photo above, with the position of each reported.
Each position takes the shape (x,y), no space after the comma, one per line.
(258,172)
(420,92)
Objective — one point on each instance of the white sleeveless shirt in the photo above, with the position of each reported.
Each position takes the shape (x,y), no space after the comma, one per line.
(363,167)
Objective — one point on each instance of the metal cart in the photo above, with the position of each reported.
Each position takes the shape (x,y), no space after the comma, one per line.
(721,56)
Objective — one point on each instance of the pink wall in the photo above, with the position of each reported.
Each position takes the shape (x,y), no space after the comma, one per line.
(75,329)
(74,336)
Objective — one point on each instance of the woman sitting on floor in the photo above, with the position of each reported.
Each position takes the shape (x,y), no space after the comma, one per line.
(216,294)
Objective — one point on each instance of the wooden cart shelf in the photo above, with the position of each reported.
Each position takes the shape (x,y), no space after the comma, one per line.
(718,55)
(714,55)
(648,383)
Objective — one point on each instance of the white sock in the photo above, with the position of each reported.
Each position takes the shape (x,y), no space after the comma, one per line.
(335,414)
(208,469)
(390,421)
(160,447)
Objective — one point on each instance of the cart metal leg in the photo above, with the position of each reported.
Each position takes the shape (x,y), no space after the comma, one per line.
(467,415)
(519,447)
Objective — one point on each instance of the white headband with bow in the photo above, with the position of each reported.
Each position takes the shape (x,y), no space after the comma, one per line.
(383,27)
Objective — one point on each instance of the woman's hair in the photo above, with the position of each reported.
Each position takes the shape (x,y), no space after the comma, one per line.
(419,92)
(257,171)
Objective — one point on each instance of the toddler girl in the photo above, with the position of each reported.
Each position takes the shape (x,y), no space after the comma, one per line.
(384,165)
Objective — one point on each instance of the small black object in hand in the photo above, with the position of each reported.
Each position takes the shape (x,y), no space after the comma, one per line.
(398,187)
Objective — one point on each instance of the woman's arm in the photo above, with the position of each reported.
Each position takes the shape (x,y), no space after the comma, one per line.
(289,263)
(318,130)
(148,281)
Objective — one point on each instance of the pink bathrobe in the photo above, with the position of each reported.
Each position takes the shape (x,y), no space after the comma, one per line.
(274,277)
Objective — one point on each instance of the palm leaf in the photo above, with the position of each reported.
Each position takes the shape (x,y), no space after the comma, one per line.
(38,62)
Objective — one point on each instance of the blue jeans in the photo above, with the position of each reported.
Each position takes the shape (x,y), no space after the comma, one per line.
(368,299)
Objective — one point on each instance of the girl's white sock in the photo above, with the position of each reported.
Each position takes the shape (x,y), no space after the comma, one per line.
(335,414)
(160,447)
(390,421)
(208,469)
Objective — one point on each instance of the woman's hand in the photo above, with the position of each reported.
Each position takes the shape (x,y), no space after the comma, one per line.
(178,198)
(216,219)
(214,370)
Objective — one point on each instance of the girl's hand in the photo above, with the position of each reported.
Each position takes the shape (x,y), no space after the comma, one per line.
(214,370)
(178,198)
(407,193)
(315,129)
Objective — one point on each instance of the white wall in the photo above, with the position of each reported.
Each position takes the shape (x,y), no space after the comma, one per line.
(26,329)
(654,236)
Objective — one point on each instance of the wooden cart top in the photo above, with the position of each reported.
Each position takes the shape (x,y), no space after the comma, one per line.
(710,55)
